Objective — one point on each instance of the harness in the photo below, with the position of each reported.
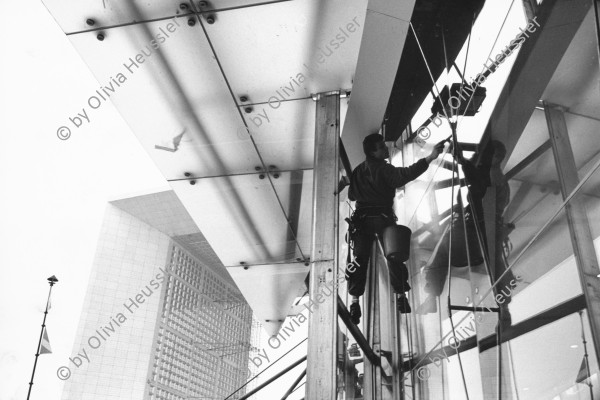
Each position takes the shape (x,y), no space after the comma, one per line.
(356,222)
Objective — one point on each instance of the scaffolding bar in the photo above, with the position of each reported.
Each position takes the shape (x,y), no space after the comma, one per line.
(473,309)
(391,334)
(322,322)
(357,334)
(274,378)
(296,382)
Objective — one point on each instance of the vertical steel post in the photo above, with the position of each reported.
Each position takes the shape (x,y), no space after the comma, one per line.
(322,322)
(391,323)
(581,236)
(372,376)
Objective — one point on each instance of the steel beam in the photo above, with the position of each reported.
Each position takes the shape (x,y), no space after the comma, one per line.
(293,387)
(524,163)
(579,228)
(540,320)
(391,322)
(322,322)
(372,374)
(272,379)
(385,30)
(533,69)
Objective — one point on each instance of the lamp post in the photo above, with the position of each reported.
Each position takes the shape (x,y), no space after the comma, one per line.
(52,280)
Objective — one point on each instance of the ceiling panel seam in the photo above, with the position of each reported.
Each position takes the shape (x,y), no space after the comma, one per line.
(287,219)
(260,103)
(188,14)
(279,171)
(264,3)
(299,263)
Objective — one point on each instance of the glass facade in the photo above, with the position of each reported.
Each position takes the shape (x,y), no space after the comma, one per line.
(504,255)
(505,223)
(128,257)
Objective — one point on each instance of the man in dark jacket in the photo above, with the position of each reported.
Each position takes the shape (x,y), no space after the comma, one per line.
(373,186)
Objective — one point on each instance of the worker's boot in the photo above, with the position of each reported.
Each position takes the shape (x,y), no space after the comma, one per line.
(403,306)
(355,313)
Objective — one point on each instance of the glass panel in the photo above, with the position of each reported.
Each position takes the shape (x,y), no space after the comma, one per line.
(511,263)
(549,363)
(308,50)
(437,234)
(281,281)
(244,210)
(224,4)
(183,129)
(72,16)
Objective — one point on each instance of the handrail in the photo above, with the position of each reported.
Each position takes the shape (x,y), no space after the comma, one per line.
(274,378)
(357,334)
(293,387)
(270,365)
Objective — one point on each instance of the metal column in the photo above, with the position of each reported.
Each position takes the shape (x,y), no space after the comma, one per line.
(372,377)
(322,322)
(581,237)
(390,335)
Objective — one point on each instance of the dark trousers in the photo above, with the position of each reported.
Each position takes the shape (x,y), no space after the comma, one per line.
(368,226)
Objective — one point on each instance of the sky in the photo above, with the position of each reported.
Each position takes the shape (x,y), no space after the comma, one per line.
(54,196)
(54,193)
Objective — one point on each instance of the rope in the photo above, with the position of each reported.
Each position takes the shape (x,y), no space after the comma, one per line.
(489,54)
(428,69)
(454,125)
(533,240)
(449,273)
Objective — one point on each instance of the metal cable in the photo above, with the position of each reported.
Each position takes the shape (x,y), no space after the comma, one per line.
(462,76)
(585,356)
(428,69)
(489,54)
(455,149)
(257,375)
(449,273)
(566,201)
(512,364)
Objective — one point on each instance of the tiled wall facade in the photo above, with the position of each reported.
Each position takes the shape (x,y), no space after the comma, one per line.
(203,335)
(127,260)
(156,322)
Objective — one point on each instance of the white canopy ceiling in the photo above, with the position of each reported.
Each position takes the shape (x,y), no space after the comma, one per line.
(180,81)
